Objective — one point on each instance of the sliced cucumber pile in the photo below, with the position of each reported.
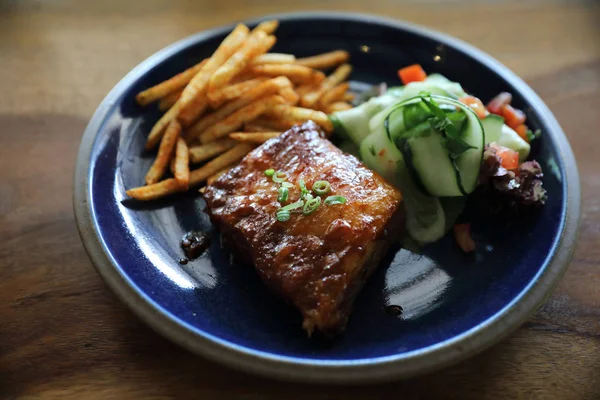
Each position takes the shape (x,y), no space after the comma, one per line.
(426,143)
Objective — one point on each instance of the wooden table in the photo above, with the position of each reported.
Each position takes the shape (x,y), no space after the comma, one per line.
(62,332)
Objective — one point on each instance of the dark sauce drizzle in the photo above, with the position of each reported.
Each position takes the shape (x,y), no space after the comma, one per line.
(393,310)
(194,243)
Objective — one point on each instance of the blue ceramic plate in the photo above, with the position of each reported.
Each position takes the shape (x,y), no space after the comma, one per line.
(454,306)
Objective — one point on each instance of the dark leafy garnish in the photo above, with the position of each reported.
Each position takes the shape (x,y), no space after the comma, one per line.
(523,186)
(440,122)
(372,150)
(533,135)
(415,114)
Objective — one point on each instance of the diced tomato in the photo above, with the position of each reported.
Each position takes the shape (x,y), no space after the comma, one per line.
(512,116)
(412,73)
(509,157)
(496,104)
(522,131)
(462,235)
(475,104)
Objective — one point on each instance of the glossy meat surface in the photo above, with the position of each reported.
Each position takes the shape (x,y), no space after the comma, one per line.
(319,262)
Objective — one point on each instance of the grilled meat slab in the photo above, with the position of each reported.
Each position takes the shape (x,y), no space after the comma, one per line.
(319,262)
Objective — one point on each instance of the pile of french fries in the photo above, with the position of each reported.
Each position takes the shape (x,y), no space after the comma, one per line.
(221,108)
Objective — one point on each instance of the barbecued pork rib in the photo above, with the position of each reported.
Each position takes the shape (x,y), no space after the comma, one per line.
(320,261)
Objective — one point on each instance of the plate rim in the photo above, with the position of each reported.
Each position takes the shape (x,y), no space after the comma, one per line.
(385,368)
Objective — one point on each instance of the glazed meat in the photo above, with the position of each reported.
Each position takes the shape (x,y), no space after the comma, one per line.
(318,262)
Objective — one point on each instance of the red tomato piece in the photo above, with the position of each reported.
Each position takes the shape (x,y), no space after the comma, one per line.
(501,100)
(462,235)
(475,104)
(509,157)
(412,73)
(512,116)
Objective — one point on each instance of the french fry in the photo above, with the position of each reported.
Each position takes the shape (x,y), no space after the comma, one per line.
(325,60)
(296,73)
(172,164)
(157,131)
(207,151)
(197,86)
(349,97)
(156,190)
(258,43)
(300,114)
(233,155)
(265,88)
(169,100)
(339,75)
(276,124)
(257,137)
(243,76)
(199,105)
(290,96)
(235,121)
(217,175)
(182,166)
(307,87)
(274,58)
(337,106)
(218,97)
(165,151)
(253,127)
(267,27)
(169,86)
(335,94)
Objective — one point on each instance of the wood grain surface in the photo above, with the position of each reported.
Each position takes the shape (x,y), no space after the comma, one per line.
(64,335)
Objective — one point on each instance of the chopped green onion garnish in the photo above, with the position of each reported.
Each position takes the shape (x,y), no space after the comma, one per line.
(303,190)
(269,172)
(311,205)
(279,177)
(287,184)
(321,188)
(283,215)
(292,206)
(331,200)
(283,193)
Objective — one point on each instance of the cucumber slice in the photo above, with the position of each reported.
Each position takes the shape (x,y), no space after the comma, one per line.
(379,152)
(511,139)
(437,79)
(492,126)
(469,162)
(429,162)
(425,220)
(454,89)
(354,123)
